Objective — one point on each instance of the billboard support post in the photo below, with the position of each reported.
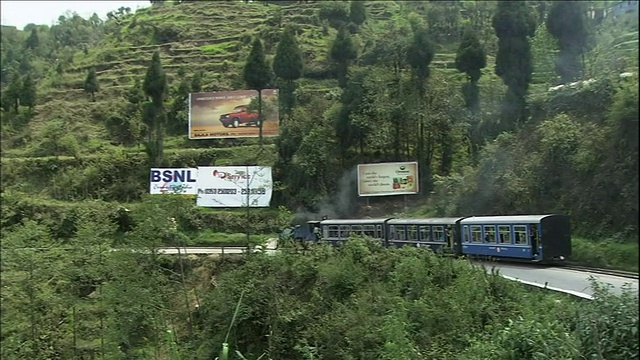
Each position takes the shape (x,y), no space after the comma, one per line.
(248,205)
(405,204)
(260,116)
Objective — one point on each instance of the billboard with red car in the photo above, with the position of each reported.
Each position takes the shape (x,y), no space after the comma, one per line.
(233,114)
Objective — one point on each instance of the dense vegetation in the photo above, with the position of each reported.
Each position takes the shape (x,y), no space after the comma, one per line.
(508,108)
(361,301)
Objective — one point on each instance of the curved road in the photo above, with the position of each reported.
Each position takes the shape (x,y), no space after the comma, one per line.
(559,278)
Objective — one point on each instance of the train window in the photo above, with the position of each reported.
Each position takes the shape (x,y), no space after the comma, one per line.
(490,234)
(344,231)
(370,230)
(505,234)
(476,233)
(379,231)
(325,231)
(400,233)
(356,229)
(520,232)
(465,233)
(438,233)
(333,231)
(413,232)
(425,233)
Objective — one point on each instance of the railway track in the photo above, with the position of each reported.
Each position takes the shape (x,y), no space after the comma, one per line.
(568,266)
(619,273)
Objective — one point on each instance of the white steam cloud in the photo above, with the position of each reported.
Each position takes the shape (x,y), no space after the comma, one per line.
(340,205)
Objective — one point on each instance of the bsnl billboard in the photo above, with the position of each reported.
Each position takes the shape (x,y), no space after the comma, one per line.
(173,181)
(232,114)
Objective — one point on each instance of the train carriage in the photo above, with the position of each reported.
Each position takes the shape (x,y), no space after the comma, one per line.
(439,234)
(337,231)
(543,238)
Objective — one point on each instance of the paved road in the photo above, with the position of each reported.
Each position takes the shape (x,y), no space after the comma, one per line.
(270,247)
(557,277)
(203,250)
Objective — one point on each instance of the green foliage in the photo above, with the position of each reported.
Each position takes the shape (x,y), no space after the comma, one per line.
(257,73)
(28,92)
(153,113)
(335,12)
(155,80)
(196,82)
(543,48)
(342,52)
(470,59)
(58,140)
(608,327)
(611,253)
(514,24)
(287,63)
(363,301)
(568,24)
(91,84)
(419,56)
(357,12)
(32,40)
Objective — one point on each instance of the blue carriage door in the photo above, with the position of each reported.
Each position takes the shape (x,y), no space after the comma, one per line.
(465,233)
(425,233)
(412,233)
(449,235)
(534,239)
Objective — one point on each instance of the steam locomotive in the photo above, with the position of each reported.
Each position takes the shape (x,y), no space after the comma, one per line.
(535,238)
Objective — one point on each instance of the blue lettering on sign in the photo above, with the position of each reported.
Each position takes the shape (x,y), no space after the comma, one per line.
(172,176)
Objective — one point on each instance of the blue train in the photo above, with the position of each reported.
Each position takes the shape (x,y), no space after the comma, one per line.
(535,238)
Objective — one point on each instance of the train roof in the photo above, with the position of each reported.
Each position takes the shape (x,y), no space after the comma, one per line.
(507,219)
(425,221)
(353,221)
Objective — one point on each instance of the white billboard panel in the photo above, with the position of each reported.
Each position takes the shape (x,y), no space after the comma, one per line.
(398,178)
(234,186)
(173,181)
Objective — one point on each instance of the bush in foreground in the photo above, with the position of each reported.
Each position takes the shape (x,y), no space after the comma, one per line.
(362,301)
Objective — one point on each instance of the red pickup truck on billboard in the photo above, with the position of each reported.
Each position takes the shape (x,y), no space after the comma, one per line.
(240,116)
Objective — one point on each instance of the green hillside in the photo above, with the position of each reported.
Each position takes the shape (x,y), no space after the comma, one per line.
(500,108)
(69,148)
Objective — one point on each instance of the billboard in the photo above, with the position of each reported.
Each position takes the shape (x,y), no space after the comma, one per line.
(234,186)
(232,114)
(382,179)
(173,181)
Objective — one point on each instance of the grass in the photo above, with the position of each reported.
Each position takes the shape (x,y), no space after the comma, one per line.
(608,254)
(221,48)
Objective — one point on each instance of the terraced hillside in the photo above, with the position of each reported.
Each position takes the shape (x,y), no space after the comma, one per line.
(208,37)
(211,37)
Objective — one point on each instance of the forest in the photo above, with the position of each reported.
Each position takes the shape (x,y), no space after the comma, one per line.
(508,107)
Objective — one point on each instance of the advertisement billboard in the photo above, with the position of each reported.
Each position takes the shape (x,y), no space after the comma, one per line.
(382,179)
(173,181)
(234,186)
(232,114)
